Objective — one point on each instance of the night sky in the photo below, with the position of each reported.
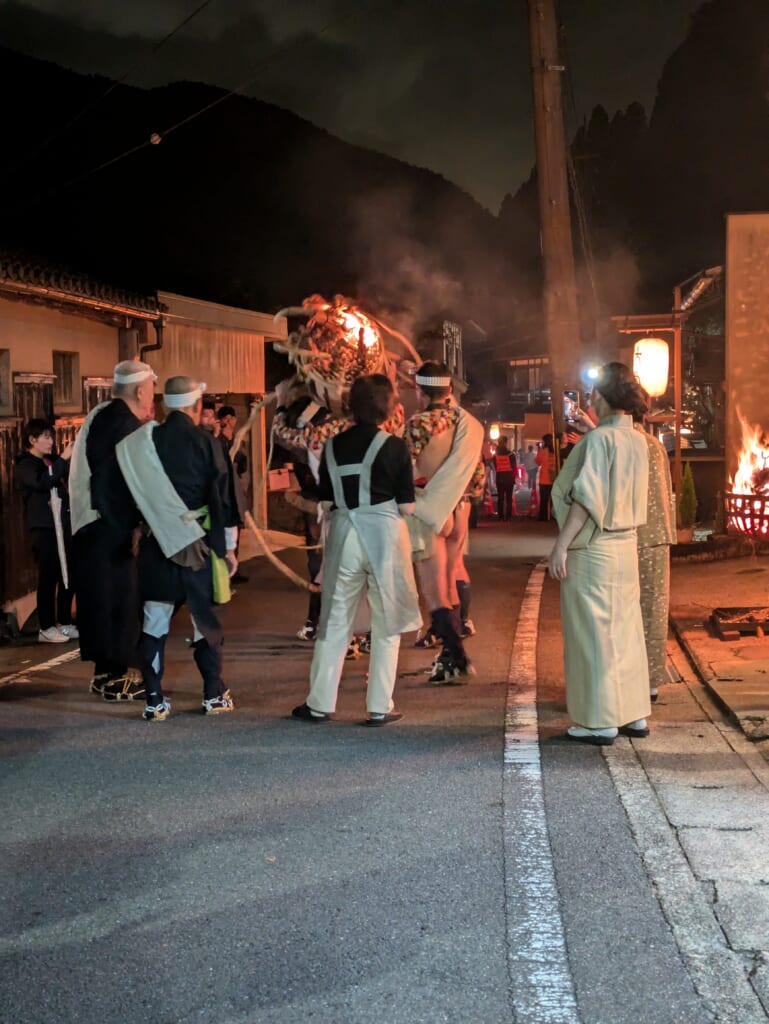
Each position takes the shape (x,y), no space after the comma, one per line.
(440,83)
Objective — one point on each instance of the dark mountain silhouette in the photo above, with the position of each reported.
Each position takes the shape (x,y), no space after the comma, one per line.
(251,205)
(655,193)
(247,204)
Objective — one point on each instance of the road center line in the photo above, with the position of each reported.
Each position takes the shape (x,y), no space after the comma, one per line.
(540,977)
(20,675)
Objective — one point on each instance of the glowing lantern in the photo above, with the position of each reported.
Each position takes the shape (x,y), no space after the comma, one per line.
(651,359)
(494,431)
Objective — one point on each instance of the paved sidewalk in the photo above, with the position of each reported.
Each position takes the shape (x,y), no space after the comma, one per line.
(736,672)
(696,795)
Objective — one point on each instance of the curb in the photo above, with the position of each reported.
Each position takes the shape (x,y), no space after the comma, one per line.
(706,677)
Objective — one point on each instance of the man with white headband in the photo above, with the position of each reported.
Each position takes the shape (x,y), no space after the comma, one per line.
(178,479)
(445,444)
(103,521)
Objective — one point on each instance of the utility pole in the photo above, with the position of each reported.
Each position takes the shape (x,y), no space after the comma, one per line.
(560,295)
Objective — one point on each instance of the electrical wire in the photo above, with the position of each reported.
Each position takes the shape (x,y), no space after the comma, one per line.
(158,137)
(92,104)
(334,23)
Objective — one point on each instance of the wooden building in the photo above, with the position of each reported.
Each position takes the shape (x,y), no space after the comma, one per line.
(60,337)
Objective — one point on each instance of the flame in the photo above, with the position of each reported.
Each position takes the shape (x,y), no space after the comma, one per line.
(748,503)
(752,476)
(354,322)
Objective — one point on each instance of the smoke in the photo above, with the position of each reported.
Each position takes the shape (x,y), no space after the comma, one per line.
(617,279)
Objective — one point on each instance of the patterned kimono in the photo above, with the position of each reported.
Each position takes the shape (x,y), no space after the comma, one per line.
(607,677)
(654,540)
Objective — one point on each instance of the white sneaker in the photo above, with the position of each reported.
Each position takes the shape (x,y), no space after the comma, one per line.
(70,631)
(52,636)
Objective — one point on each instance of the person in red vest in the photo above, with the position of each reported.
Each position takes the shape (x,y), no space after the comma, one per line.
(547,472)
(505,465)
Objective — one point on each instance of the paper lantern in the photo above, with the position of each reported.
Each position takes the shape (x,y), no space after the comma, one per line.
(651,359)
(494,431)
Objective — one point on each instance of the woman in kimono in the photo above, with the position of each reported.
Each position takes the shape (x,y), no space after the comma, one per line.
(599,500)
(654,540)
(366,483)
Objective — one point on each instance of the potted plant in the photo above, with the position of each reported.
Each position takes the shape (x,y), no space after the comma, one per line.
(687,507)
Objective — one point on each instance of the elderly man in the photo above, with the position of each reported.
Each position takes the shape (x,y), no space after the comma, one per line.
(103,521)
(445,443)
(177,477)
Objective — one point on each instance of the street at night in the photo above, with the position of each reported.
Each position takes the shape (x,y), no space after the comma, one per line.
(384,512)
(249,869)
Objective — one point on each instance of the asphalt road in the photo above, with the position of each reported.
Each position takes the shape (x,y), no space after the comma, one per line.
(250,869)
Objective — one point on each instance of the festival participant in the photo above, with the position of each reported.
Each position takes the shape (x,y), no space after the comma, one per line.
(654,539)
(505,466)
(445,444)
(40,476)
(547,470)
(367,483)
(103,523)
(303,427)
(600,499)
(237,503)
(178,479)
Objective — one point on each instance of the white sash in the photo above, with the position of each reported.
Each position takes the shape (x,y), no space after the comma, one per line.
(81,510)
(448,484)
(173,525)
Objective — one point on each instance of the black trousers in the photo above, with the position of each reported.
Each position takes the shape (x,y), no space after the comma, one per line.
(108,607)
(505,485)
(54,600)
(544,500)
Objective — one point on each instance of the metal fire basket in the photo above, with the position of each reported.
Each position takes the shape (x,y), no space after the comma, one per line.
(748,514)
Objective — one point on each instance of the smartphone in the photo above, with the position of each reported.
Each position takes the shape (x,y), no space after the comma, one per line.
(570,405)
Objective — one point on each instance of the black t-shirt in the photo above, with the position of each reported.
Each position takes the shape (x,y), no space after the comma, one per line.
(391,474)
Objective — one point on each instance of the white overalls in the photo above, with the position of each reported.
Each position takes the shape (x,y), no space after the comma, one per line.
(366,546)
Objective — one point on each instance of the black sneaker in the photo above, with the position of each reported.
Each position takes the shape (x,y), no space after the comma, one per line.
(376,719)
(309,631)
(468,629)
(425,640)
(306,714)
(353,651)
(364,643)
(122,688)
(448,671)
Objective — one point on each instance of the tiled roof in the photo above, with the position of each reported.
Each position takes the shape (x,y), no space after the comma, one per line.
(41,274)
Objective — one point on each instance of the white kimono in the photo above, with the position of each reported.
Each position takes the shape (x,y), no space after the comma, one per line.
(607,677)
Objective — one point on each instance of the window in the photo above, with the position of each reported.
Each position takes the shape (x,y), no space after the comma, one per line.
(66,369)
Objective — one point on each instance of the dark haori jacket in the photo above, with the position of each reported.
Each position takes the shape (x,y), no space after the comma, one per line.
(194,463)
(109,493)
(35,481)
(237,499)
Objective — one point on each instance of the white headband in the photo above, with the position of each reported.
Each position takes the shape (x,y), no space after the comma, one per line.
(434,382)
(136,377)
(187,399)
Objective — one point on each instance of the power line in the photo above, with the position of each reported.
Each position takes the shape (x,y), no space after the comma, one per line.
(63,129)
(335,23)
(157,137)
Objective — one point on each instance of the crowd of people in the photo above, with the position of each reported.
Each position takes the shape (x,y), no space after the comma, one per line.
(137,519)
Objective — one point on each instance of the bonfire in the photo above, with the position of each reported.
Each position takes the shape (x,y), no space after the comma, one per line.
(748,500)
(336,343)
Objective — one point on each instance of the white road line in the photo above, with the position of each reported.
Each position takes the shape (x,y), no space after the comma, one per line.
(540,977)
(20,675)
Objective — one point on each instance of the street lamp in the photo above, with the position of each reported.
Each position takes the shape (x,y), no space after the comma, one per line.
(494,431)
